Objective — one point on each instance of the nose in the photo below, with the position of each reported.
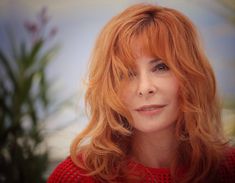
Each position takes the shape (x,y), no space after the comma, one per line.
(146,86)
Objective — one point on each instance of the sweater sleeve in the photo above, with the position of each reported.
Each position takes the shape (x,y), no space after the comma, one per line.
(227,170)
(67,171)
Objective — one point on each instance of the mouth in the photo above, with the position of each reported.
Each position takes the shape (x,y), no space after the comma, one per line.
(150,109)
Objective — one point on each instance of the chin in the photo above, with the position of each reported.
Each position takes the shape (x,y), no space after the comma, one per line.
(154,129)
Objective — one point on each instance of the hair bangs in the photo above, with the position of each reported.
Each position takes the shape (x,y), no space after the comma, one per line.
(146,37)
(123,58)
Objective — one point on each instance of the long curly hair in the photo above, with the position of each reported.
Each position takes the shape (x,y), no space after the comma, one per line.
(102,148)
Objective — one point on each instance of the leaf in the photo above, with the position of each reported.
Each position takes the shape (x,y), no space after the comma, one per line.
(33,53)
(26,88)
(4,96)
(8,68)
(13,45)
(43,92)
(22,56)
(47,57)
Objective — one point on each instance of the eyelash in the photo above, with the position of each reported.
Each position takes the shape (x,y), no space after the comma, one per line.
(161,67)
(131,74)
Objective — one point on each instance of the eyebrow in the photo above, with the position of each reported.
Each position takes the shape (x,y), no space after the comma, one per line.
(155,60)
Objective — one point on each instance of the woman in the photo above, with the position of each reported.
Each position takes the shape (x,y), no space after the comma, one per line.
(154,110)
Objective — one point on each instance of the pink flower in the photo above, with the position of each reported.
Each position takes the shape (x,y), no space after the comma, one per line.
(31,27)
(43,16)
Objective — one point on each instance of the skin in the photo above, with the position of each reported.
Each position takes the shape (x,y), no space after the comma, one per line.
(151,97)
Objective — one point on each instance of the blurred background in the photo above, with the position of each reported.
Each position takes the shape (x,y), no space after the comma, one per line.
(44,50)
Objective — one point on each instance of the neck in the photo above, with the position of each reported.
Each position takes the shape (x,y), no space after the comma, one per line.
(154,149)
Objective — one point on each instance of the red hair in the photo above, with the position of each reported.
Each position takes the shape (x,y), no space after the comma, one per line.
(171,36)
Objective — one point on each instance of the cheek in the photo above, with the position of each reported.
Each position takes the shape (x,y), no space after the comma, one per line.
(172,90)
(125,93)
(174,87)
(174,94)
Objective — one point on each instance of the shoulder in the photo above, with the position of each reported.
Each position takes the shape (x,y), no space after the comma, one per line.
(227,168)
(67,171)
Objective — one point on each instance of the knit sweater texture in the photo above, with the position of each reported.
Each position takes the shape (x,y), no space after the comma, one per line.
(68,172)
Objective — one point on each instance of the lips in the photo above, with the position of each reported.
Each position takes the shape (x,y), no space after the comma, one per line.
(150,108)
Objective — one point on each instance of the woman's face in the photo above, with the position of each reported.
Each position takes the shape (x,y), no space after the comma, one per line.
(151,95)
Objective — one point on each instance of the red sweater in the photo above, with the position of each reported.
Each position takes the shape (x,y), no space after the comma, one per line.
(68,172)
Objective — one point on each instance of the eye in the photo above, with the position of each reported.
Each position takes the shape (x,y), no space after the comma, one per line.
(160,67)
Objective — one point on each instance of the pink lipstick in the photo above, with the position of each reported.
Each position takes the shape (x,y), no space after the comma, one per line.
(150,109)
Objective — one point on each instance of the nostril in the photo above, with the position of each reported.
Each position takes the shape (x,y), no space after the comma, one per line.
(149,91)
(140,93)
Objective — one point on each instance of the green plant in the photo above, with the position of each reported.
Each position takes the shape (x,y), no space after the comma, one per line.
(24,102)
